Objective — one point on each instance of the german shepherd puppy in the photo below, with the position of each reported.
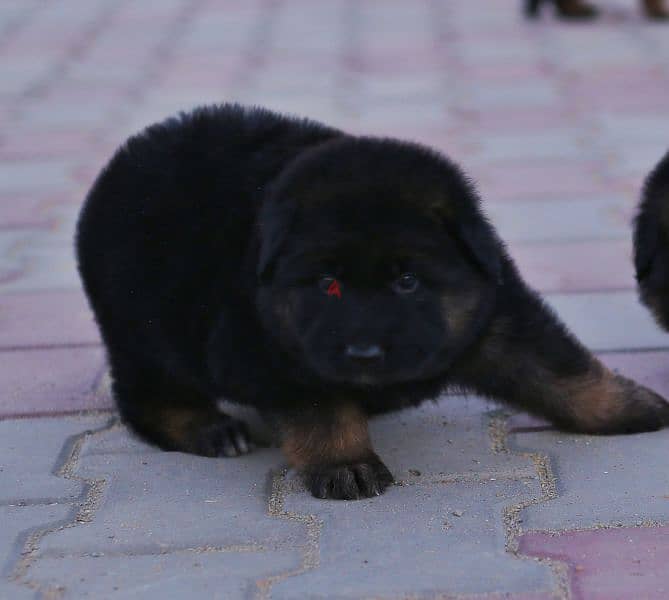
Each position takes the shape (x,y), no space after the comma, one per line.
(321,278)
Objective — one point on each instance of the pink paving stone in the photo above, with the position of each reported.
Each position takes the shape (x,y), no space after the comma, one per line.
(23,211)
(46,318)
(608,564)
(618,74)
(511,120)
(49,381)
(506,72)
(576,266)
(623,101)
(542,179)
(45,144)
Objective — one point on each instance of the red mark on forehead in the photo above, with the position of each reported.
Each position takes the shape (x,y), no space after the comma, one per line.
(333,289)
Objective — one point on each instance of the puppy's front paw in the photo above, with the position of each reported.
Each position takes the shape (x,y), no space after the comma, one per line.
(349,481)
(224,437)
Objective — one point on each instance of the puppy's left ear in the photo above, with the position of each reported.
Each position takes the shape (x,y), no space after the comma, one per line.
(458,209)
(274,224)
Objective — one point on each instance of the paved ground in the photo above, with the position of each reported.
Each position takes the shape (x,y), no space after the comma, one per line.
(558,123)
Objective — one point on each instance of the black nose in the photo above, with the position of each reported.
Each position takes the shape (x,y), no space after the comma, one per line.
(364,351)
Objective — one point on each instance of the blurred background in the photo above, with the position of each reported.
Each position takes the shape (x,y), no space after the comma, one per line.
(557,123)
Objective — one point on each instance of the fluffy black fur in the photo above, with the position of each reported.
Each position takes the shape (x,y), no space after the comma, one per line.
(651,243)
(208,244)
(581,10)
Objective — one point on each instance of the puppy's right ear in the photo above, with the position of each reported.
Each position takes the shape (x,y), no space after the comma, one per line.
(274,224)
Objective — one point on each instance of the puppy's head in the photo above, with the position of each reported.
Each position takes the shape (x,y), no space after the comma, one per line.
(651,243)
(376,266)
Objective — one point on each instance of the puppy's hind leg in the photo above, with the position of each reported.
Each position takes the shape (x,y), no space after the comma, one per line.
(655,9)
(530,360)
(173,416)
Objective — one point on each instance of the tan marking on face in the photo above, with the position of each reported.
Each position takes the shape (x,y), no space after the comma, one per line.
(457,310)
(344,438)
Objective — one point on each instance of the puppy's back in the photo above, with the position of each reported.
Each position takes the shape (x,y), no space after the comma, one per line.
(168,221)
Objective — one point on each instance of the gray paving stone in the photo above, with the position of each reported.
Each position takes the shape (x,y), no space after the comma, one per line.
(35,176)
(449,439)
(16,524)
(206,573)
(409,542)
(156,501)
(116,440)
(31,450)
(552,145)
(567,219)
(601,480)
(609,320)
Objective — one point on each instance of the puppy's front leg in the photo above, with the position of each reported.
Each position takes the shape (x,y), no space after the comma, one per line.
(529,359)
(331,447)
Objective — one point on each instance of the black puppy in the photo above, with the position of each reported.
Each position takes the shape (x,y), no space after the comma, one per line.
(651,243)
(579,9)
(321,278)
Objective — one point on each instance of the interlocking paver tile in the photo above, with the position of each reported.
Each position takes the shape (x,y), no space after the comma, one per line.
(35,176)
(46,257)
(609,564)
(444,440)
(556,145)
(46,319)
(581,266)
(601,480)
(51,380)
(11,265)
(542,180)
(561,220)
(609,320)
(200,573)
(219,503)
(388,549)
(16,523)
(32,451)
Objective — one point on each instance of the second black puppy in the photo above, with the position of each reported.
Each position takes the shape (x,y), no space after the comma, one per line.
(321,278)
(651,243)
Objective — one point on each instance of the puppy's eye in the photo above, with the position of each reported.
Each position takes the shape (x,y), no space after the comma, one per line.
(405,284)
